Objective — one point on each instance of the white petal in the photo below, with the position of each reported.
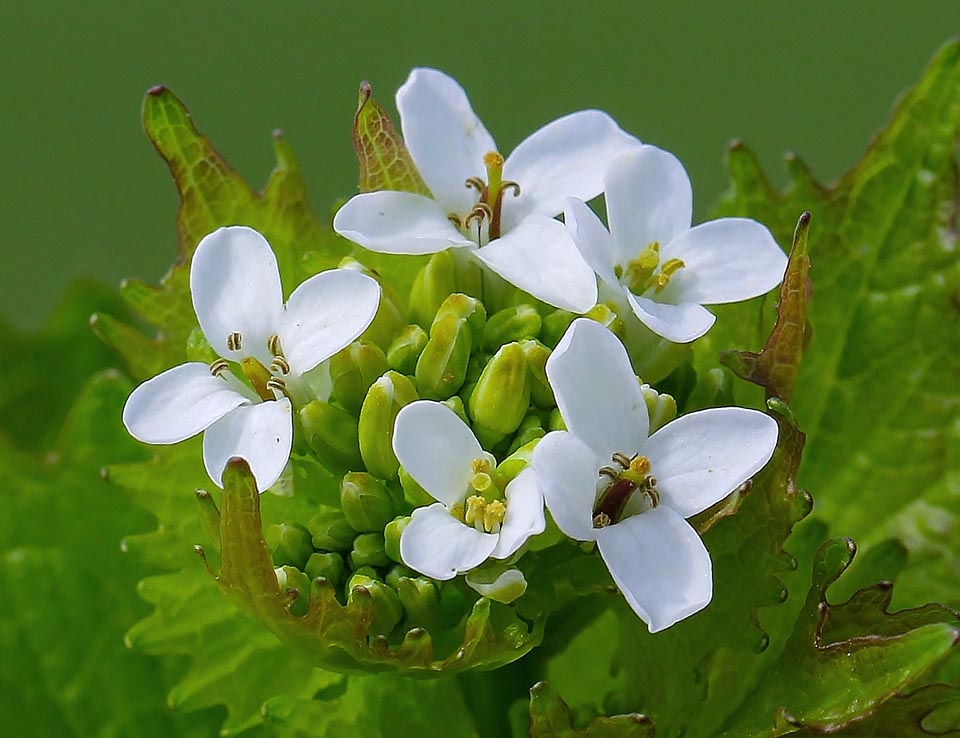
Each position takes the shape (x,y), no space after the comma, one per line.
(678,323)
(445,137)
(397,223)
(235,287)
(438,545)
(324,314)
(498,584)
(700,458)
(260,434)
(649,199)
(566,473)
(594,243)
(725,260)
(178,404)
(539,257)
(660,565)
(566,158)
(524,516)
(612,418)
(436,448)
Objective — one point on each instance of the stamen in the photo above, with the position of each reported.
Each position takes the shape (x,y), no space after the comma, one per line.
(276,384)
(622,459)
(273,345)
(219,366)
(457,511)
(509,184)
(280,365)
(455,219)
(474,512)
(601,520)
(475,183)
(481,211)
(493,516)
(609,471)
(234,341)
(672,265)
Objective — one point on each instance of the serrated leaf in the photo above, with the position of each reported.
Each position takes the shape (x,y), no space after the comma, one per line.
(550,718)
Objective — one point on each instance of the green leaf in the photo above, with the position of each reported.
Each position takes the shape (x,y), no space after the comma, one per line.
(550,718)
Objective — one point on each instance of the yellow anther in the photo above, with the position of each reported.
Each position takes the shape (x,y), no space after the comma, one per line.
(234,341)
(640,465)
(493,516)
(474,512)
(672,265)
(457,511)
(273,345)
(481,481)
(649,257)
(480,465)
(658,282)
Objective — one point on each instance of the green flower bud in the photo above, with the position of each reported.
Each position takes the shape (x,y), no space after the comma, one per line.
(420,597)
(406,349)
(390,315)
(289,543)
(502,395)
(332,434)
(391,537)
(442,367)
(330,566)
(661,408)
(413,493)
(555,324)
(515,463)
(541,393)
(531,429)
(199,348)
(511,324)
(468,308)
(353,370)
(605,315)
(366,503)
(368,571)
(209,516)
(331,531)
(368,550)
(431,287)
(387,609)
(395,574)
(497,582)
(377,415)
(291,578)
(556,421)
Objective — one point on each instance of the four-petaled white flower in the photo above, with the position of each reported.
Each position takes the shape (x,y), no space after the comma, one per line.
(605,480)
(471,520)
(651,256)
(506,207)
(238,300)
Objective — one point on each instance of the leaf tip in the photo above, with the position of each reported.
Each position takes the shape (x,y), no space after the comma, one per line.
(156,90)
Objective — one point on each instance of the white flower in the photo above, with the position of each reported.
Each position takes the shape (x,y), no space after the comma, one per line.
(505,206)
(238,300)
(665,269)
(604,480)
(471,519)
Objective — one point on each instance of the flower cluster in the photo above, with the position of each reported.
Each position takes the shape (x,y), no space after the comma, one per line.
(456,433)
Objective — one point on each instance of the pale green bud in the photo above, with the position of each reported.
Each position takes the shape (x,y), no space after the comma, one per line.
(353,370)
(366,502)
(391,537)
(332,434)
(531,429)
(661,408)
(387,609)
(406,349)
(390,315)
(289,544)
(420,597)
(555,324)
(431,287)
(511,324)
(199,348)
(497,582)
(515,463)
(442,367)
(541,393)
(556,421)
(290,578)
(331,531)
(413,492)
(468,308)
(502,395)
(330,566)
(396,573)
(209,516)
(377,415)
(605,315)
(455,403)
(368,550)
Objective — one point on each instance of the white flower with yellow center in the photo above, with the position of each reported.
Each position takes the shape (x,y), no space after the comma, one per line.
(235,285)
(605,480)
(664,268)
(501,209)
(473,519)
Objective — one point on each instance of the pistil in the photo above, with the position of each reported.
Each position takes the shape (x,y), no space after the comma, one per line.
(627,477)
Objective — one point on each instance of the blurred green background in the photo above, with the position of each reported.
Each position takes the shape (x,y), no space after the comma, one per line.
(84,193)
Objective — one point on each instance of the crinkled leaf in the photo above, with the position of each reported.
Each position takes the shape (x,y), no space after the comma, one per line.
(550,718)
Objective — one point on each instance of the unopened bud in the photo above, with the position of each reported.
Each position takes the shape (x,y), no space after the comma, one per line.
(331,531)
(442,367)
(413,493)
(289,543)
(395,574)
(606,316)
(431,287)
(541,393)
(466,307)
(366,502)
(406,348)
(209,516)
(556,421)
(390,313)
(332,434)
(368,550)
(455,403)
(531,429)
(391,537)
(330,566)
(497,582)
(291,578)
(387,609)
(421,599)
(199,348)
(377,415)
(515,463)
(511,324)
(555,324)
(353,370)
(660,408)
(502,395)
